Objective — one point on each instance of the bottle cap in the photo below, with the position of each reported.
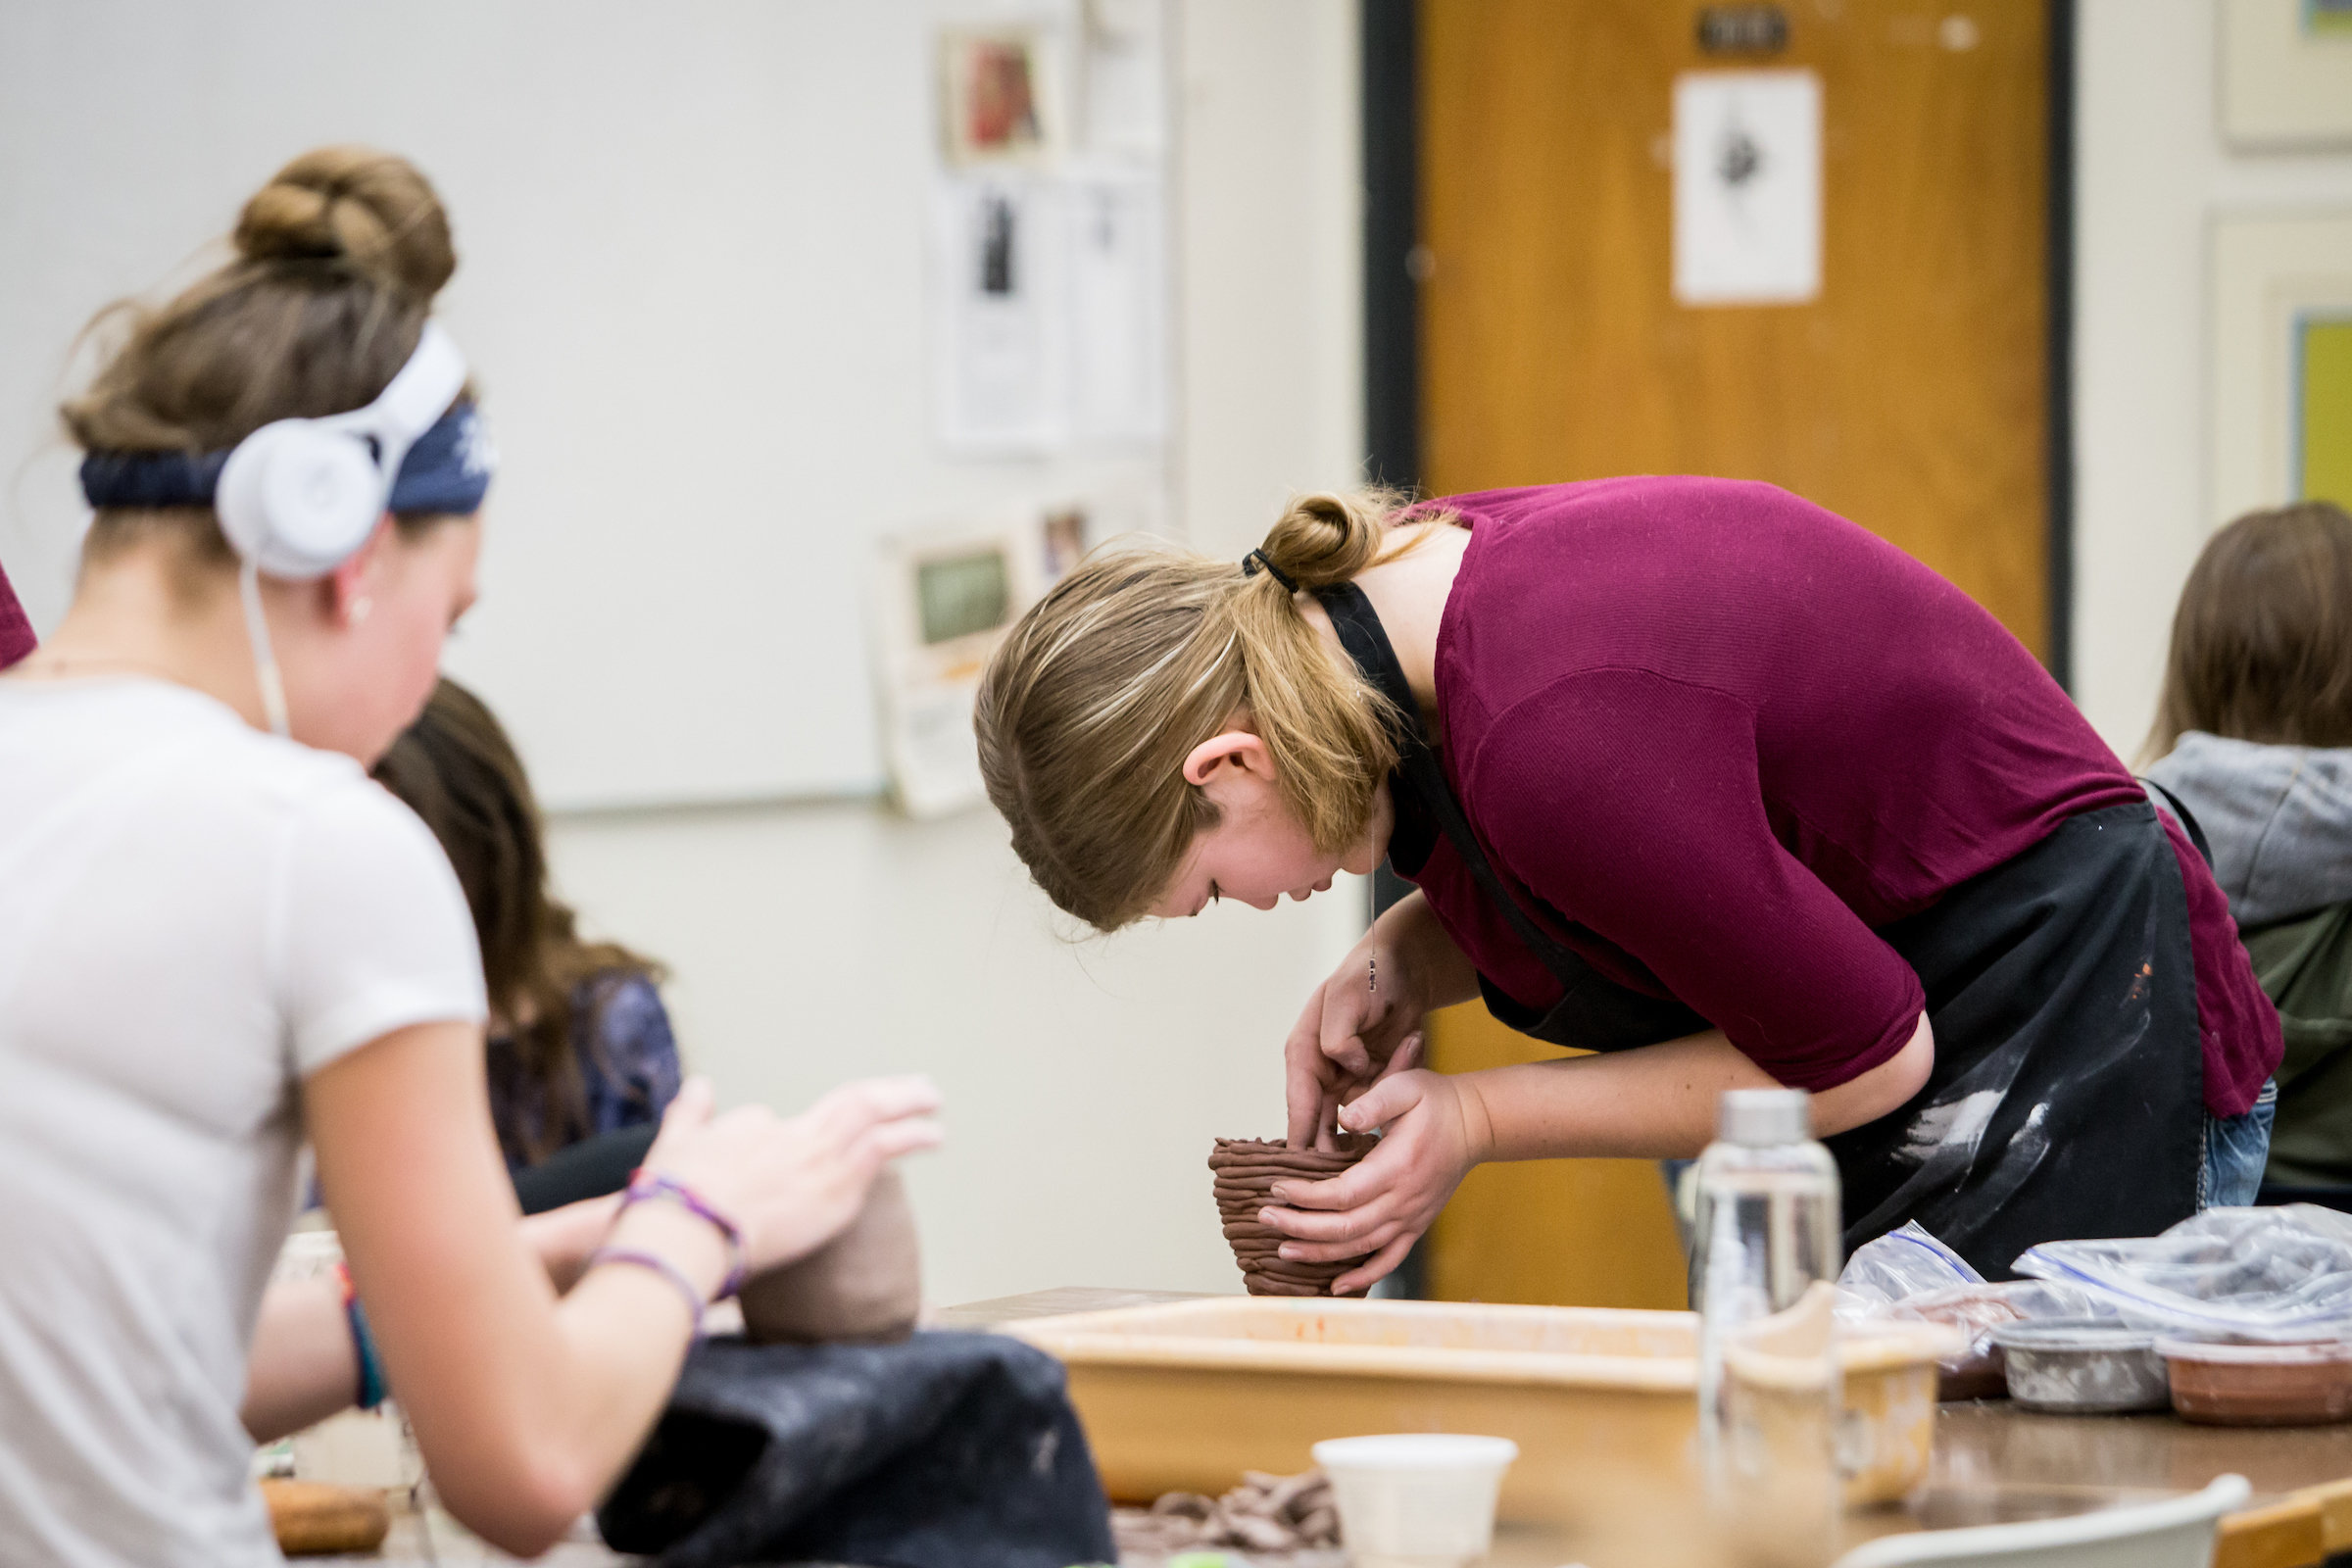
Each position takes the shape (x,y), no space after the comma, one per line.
(1756,1118)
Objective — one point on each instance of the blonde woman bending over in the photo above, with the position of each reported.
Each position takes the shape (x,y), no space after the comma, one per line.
(1690,773)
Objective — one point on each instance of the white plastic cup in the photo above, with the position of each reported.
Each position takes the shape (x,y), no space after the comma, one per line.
(1416,1499)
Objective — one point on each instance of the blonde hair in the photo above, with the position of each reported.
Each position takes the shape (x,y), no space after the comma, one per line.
(1095,698)
(336,263)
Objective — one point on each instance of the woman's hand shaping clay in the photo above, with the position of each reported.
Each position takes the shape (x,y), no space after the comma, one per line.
(1365,1023)
(793,1184)
(1433,1129)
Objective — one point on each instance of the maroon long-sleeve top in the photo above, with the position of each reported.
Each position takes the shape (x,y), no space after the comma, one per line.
(1732,733)
(16,632)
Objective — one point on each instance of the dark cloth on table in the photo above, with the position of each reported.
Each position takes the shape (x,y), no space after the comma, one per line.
(588,1168)
(628,1063)
(16,631)
(948,1451)
(1717,739)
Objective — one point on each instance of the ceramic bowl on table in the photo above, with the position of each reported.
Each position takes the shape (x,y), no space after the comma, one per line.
(2260,1385)
(2083,1367)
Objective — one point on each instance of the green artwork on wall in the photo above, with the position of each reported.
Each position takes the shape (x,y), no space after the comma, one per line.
(2323,391)
(2329,19)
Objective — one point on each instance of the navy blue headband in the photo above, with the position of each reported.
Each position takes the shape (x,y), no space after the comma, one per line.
(447,469)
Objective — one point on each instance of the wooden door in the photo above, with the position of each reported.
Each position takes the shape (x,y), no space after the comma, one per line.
(1910,396)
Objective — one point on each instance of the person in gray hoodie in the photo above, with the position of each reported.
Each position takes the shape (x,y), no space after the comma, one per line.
(2254,733)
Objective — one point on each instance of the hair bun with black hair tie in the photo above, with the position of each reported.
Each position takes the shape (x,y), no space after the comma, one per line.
(1257,558)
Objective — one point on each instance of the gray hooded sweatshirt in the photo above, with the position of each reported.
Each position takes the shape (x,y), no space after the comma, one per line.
(2278,817)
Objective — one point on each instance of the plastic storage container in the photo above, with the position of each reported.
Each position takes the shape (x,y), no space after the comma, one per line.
(1416,1499)
(1187,1396)
(2260,1385)
(2083,1367)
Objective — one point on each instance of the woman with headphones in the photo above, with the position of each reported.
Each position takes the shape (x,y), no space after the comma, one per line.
(1690,773)
(218,936)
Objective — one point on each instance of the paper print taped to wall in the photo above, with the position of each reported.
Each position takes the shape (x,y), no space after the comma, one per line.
(2287,73)
(2324,423)
(1746,187)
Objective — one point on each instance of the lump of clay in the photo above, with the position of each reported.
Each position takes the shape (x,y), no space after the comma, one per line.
(1245,1170)
(313,1518)
(1264,1513)
(863,1287)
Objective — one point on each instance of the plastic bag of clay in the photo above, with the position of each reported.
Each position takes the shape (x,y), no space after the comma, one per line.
(1899,1265)
(2260,1274)
(1908,1274)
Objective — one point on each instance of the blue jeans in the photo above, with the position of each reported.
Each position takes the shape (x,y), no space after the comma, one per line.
(2236,1148)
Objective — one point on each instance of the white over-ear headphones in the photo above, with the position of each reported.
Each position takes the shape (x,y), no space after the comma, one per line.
(297,497)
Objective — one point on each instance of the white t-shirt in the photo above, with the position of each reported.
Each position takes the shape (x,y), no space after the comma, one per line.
(193,916)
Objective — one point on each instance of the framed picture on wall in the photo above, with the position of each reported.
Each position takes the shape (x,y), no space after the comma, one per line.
(943,598)
(2282,362)
(2287,73)
(1001,99)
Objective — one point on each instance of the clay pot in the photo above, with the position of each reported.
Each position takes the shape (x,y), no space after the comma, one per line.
(863,1287)
(2260,1385)
(1245,1170)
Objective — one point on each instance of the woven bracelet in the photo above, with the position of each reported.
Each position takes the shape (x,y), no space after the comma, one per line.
(648,1185)
(637,1257)
(371,1392)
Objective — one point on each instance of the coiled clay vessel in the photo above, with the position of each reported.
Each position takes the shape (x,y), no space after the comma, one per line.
(865,1285)
(1245,1169)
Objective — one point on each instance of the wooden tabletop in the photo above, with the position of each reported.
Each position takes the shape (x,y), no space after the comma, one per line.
(1992,1461)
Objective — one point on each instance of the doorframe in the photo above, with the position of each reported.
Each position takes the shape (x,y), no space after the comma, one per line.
(1392,154)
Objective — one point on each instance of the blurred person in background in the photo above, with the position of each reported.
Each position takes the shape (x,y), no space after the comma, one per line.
(2254,738)
(580,1044)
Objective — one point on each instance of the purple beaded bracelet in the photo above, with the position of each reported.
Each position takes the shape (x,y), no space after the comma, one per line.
(638,1258)
(645,1185)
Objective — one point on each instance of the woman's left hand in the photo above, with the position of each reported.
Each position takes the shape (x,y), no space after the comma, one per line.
(1434,1128)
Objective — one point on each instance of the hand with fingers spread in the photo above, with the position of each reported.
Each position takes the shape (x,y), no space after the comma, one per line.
(1433,1129)
(793,1184)
(1364,1024)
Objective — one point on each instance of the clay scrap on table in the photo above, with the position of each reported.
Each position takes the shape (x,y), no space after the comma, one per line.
(1245,1170)
(1264,1513)
(865,1285)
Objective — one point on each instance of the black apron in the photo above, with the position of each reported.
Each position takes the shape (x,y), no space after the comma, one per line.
(2067,1100)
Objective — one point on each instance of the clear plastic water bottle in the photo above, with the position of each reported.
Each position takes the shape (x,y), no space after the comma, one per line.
(1763,1279)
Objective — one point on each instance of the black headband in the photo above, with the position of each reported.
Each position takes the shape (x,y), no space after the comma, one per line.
(1256,558)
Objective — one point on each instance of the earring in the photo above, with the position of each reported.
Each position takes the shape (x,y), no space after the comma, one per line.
(360,610)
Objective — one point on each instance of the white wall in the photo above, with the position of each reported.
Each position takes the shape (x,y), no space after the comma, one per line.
(2151,173)
(1085,1080)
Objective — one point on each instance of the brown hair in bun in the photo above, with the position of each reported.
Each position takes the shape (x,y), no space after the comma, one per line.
(337,262)
(366,211)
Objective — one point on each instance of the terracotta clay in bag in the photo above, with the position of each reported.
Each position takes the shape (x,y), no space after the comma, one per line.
(863,1287)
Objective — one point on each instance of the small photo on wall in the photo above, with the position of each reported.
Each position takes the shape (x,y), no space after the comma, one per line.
(1000,98)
